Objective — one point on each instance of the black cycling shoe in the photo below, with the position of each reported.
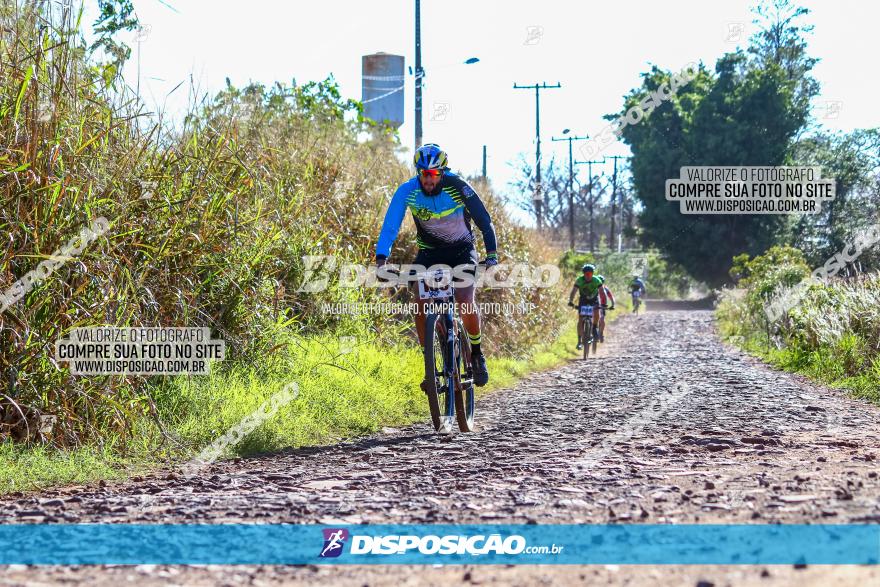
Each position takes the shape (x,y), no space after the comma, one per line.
(481,374)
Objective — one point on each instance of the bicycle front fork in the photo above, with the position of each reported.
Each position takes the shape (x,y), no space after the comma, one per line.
(449,351)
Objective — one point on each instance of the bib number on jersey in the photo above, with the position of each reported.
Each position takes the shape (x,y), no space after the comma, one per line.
(435,285)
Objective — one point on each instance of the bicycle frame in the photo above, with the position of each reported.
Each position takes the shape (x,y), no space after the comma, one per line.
(587,317)
(636,300)
(456,358)
(587,313)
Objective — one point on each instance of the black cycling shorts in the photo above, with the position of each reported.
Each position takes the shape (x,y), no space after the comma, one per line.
(451,256)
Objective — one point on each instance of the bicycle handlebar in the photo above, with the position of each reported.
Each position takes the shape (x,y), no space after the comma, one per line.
(603,306)
(395,270)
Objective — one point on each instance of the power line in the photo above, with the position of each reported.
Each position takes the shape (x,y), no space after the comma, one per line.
(539,196)
(614,199)
(570,185)
(384,78)
(393,91)
(590,197)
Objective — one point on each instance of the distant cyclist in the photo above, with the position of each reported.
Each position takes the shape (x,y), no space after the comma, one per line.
(591,293)
(442,206)
(608,296)
(637,289)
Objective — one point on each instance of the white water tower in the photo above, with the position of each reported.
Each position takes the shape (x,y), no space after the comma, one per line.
(382,87)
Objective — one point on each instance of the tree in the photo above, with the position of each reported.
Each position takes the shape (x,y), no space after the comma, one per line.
(554,187)
(781,40)
(114,16)
(853,161)
(556,208)
(748,112)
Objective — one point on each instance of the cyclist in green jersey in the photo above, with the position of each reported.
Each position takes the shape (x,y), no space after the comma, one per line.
(589,286)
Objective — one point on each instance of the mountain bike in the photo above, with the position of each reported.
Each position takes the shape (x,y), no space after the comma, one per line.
(448,368)
(637,300)
(585,312)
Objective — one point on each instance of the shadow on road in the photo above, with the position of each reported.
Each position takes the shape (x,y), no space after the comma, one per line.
(707,303)
(363,444)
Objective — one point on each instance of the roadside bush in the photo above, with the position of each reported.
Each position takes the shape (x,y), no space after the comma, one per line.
(832,332)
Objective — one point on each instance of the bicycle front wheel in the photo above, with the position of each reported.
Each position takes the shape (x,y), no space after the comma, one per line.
(438,368)
(464,382)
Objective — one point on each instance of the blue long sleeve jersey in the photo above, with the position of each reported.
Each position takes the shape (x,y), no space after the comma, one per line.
(442,220)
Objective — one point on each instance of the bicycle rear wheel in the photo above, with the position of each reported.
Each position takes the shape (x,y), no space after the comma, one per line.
(464,382)
(441,387)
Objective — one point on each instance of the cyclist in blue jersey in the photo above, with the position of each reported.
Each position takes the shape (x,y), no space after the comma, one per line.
(637,289)
(637,285)
(442,205)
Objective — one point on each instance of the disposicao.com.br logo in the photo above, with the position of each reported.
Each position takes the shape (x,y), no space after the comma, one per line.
(403,544)
(334,541)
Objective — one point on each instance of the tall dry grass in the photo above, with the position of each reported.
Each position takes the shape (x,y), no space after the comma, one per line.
(208,225)
(830,331)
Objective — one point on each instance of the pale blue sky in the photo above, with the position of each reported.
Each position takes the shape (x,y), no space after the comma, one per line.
(596,50)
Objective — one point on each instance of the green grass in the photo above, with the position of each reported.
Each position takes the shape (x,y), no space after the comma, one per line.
(831,335)
(341,395)
(211,223)
(845,365)
(28,468)
(827,366)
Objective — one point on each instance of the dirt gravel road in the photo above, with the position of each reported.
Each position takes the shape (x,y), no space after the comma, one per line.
(666,425)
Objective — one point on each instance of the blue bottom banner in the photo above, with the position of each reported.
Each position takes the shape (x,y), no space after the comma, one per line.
(294,544)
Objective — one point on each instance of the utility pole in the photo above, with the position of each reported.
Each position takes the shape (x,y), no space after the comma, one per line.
(419,74)
(626,210)
(590,194)
(613,200)
(484,162)
(570,185)
(539,196)
(590,197)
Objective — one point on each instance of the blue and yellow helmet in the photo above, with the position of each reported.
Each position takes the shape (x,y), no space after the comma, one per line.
(430,156)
